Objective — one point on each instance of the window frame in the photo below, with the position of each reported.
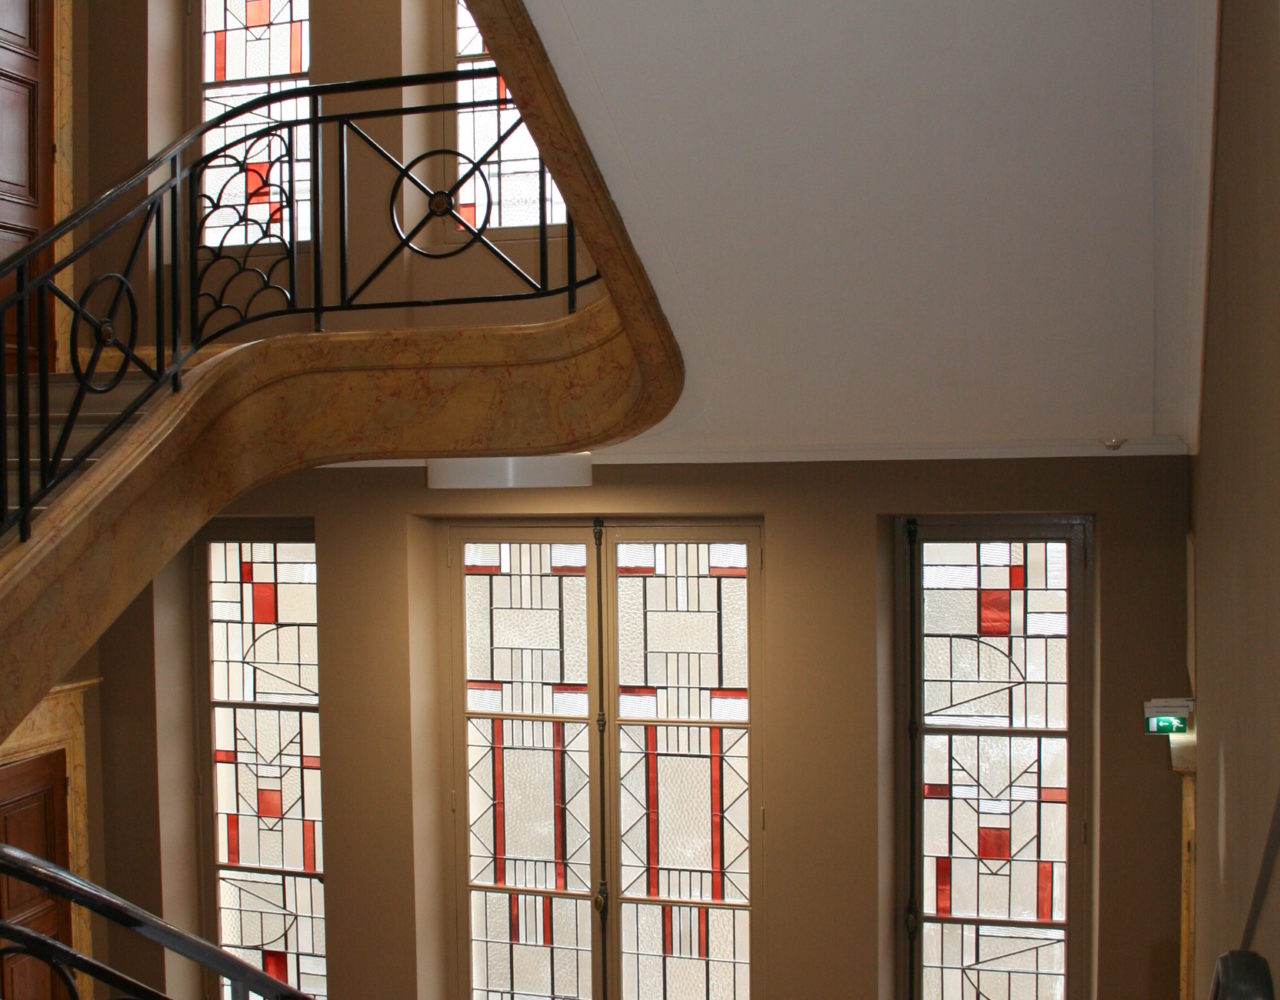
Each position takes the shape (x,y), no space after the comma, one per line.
(909,535)
(224,529)
(603,695)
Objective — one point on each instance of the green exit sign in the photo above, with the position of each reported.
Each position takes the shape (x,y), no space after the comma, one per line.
(1164,724)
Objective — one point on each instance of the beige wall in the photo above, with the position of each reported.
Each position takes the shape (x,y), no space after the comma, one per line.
(387,841)
(1237,495)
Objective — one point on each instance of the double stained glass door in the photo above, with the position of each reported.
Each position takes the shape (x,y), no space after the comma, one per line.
(605,708)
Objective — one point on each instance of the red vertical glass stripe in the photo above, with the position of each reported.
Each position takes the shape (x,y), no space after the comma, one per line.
(546,921)
(295,47)
(557,769)
(651,767)
(994,612)
(220,73)
(499,808)
(264,603)
(246,572)
(666,930)
(1017,578)
(1044,894)
(276,965)
(309,844)
(515,919)
(944,887)
(233,840)
(717,815)
(703,933)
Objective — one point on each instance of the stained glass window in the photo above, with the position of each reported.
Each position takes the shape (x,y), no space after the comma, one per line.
(266,758)
(993,747)
(678,825)
(683,789)
(528,770)
(500,165)
(256,184)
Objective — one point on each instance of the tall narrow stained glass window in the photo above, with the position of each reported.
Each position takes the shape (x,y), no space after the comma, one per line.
(674,713)
(996,764)
(265,700)
(528,757)
(257,185)
(504,180)
(684,776)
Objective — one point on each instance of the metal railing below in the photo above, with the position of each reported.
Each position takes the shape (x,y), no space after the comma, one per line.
(64,962)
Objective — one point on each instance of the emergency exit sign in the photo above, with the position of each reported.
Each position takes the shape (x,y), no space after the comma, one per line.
(1168,716)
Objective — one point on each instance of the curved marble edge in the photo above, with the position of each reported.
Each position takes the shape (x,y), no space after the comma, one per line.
(279,405)
(519,53)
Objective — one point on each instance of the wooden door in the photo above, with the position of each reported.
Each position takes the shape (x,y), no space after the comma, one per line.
(33,816)
(26,133)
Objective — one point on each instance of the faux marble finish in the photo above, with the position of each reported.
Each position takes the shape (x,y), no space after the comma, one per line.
(279,405)
(519,53)
(276,406)
(63,191)
(57,723)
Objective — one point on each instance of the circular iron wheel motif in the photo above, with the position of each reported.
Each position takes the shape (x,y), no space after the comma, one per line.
(100,323)
(441,205)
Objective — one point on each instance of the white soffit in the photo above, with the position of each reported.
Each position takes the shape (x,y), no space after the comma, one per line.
(909,228)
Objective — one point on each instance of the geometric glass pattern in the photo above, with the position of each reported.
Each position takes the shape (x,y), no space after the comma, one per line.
(682,631)
(683,789)
(530,809)
(995,634)
(993,766)
(528,769)
(685,952)
(526,629)
(266,751)
(494,141)
(529,945)
(250,48)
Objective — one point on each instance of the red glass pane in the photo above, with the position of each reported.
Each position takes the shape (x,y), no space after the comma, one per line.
(276,965)
(995,612)
(264,603)
(269,806)
(993,844)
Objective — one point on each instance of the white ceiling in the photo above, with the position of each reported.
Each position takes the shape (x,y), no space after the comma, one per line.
(909,228)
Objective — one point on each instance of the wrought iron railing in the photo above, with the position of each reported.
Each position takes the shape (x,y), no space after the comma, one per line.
(235,225)
(64,962)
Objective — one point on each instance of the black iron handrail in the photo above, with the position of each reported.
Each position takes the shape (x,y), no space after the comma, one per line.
(208,237)
(245,980)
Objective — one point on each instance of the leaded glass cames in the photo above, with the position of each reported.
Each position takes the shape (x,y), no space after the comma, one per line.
(993,793)
(679,771)
(265,696)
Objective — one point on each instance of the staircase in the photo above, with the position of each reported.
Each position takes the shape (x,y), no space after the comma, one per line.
(460,387)
(95,414)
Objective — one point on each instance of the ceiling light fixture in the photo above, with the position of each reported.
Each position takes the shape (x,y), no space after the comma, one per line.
(527,472)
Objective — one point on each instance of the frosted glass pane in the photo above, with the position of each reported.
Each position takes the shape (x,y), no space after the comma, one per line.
(537,946)
(684,952)
(994,813)
(971,961)
(683,631)
(529,803)
(526,628)
(685,813)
